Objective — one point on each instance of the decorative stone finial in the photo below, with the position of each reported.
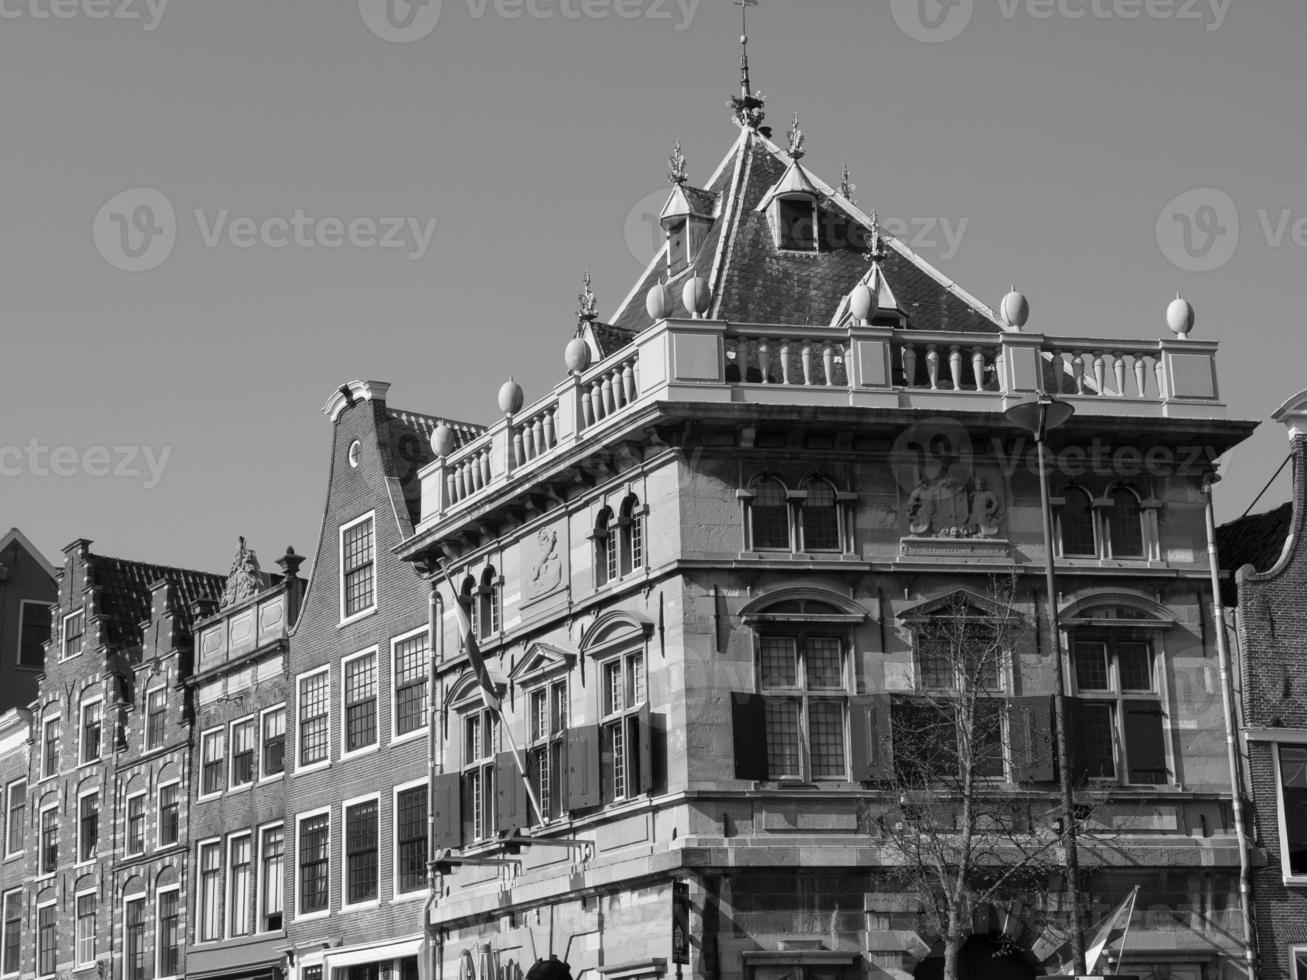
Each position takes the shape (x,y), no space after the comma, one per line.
(865,299)
(589,308)
(245,579)
(795,137)
(658,302)
(290,562)
(847,187)
(576,355)
(676,174)
(697,297)
(1015,310)
(511,397)
(875,244)
(1180,317)
(442,440)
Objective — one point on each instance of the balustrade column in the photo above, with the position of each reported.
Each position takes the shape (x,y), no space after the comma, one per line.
(806,355)
(828,362)
(932,366)
(1100,376)
(909,365)
(1118,370)
(978,367)
(785,362)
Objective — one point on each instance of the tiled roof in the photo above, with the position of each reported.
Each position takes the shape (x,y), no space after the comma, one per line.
(611,338)
(1256,540)
(755,282)
(408,444)
(125,600)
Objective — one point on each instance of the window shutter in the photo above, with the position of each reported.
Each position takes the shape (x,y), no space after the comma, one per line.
(583,767)
(749,717)
(1145,742)
(646,749)
(1030,724)
(511,811)
(871,738)
(446,792)
(1077,747)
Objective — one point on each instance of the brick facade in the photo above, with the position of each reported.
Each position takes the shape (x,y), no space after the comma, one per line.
(27,588)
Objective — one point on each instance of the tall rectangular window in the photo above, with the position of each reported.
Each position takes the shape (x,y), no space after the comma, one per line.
(169,815)
(240,869)
(72,638)
(361,851)
(272,850)
(90,741)
(136,824)
(479,735)
(622,694)
(11,941)
(804,687)
(211,764)
(358,588)
(168,934)
(242,753)
(15,817)
(361,702)
(134,939)
(411,838)
(46,951)
(548,720)
(314,718)
(274,742)
(410,683)
(49,841)
(1120,729)
(315,861)
(156,712)
(210,906)
(50,747)
(84,937)
(35,633)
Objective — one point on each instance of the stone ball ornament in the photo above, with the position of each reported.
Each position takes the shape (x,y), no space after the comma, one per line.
(442,440)
(511,397)
(863,304)
(1015,310)
(1180,317)
(697,296)
(658,302)
(576,356)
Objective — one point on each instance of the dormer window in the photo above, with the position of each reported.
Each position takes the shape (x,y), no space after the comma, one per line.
(797,224)
(686,219)
(678,246)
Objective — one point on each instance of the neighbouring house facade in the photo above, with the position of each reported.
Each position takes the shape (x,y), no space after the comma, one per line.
(27,591)
(1265,553)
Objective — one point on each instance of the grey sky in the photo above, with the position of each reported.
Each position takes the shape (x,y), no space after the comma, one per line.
(1045,144)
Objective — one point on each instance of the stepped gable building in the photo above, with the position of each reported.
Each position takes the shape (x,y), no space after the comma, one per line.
(28,588)
(354,837)
(702,566)
(1265,551)
(109,738)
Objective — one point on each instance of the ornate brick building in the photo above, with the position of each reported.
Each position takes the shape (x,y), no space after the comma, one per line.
(27,590)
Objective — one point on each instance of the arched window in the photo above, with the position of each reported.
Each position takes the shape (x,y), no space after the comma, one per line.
(632,525)
(769,516)
(1077,524)
(467,597)
(488,602)
(1125,524)
(605,548)
(821,517)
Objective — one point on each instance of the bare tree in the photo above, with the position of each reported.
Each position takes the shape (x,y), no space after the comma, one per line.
(961,838)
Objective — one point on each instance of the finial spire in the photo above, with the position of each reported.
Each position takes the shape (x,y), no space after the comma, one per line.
(589,308)
(847,187)
(748,105)
(875,244)
(795,136)
(676,162)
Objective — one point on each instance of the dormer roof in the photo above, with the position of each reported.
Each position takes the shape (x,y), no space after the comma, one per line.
(690,202)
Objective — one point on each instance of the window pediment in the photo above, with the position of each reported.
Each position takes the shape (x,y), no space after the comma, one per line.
(541,660)
(1121,610)
(803,604)
(954,603)
(613,628)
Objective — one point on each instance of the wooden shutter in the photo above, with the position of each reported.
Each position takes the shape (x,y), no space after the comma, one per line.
(871,738)
(749,718)
(583,767)
(1030,726)
(446,792)
(511,801)
(1145,742)
(646,750)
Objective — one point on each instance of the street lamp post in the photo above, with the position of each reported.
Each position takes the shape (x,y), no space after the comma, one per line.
(1038,417)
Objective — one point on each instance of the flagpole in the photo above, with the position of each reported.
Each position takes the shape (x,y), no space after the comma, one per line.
(521,768)
(1125,934)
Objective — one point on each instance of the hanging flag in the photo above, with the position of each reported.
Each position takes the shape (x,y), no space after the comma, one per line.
(490,691)
(1112,929)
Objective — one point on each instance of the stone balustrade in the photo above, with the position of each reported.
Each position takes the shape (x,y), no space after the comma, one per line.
(865,367)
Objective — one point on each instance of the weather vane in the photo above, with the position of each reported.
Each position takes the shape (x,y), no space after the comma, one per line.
(677,173)
(748,105)
(795,137)
(847,187)
(589,309)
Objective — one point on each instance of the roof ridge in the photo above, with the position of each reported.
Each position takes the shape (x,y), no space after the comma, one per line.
(164,568)
(427,416)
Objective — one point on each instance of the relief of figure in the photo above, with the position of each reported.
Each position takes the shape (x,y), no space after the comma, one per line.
(548,571)
(985,510)
(943,506)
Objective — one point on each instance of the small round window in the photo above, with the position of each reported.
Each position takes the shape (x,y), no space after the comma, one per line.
(355,450)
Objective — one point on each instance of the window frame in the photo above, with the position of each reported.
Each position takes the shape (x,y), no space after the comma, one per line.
(483,766)
(263,743)
(300,820)
(22,627)
(150,716)
(79,613)
(52,808)
(203,914)
(230,910)
(632,536)
(46,722)
(1298,961)
(749,496)
(78,938)
(804,695)
(345,751)
(19,894)
(142,796)
(251,721)
(159,813)
(300,681)
(1100,510)
(553,743)
(396,736)
(607,566)
(17,784)
(54,938)
(624,719)
(1287,875)
(1116,697)
(396,864)
(160,949)
(343,571)
(97,702)
(801,512)
(220,734)
(261,913)
(345,853)
(129,900)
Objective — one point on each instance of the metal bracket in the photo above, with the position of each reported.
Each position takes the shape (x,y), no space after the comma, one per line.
(513,845)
